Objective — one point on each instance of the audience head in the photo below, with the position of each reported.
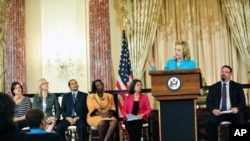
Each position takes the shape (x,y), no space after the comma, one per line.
(226,73)
(182,50)
(135,86)
(43,85)
(97,86)
(16,87)
(35,118)
(7,107)
(73,85)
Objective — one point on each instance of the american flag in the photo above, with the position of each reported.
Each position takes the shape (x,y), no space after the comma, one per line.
(125,75)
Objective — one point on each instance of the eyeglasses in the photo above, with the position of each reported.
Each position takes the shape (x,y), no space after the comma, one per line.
(225,72)
(45,83)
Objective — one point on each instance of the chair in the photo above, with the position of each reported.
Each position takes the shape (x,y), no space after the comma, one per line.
(71,133)
(93,133)
(223,131)
(145,135)
(25,130)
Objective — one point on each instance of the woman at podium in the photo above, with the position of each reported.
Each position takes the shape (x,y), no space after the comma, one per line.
(181,60)
(136,110)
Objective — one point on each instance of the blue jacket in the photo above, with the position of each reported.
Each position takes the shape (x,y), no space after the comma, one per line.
(171,65)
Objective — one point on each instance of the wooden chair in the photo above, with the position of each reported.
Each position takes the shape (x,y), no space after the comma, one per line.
(223,131)
(93,133)
(71,133)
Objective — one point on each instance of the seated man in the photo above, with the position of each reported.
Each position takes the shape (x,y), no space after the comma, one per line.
(35,119)
(74,111)
(225,102)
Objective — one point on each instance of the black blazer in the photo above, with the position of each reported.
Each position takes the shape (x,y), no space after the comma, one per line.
(237,96)
(80,105)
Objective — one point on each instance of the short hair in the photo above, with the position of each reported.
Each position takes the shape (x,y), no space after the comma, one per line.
(7,107)
(185,47)
(132,86)
(227,66)
(93,87)
(13,86)
(34,117)
(70,81)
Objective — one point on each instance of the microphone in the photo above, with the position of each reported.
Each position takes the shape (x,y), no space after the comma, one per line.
(176,65)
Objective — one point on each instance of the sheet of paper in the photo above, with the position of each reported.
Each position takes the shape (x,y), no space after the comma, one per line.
(132,117)
(226,112)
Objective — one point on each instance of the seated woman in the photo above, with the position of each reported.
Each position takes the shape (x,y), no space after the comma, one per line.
(47,101)
(37,123)
(23,104)
(137,104)
(101,108)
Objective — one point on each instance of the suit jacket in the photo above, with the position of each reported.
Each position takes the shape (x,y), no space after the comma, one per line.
(236,93)
(144,106)
(80,105)
(51,101)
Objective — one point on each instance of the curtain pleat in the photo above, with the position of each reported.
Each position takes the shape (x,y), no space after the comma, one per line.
(2,44)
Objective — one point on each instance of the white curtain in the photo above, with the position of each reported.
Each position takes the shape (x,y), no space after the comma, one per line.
(237,13)
(2,44)
(139,18)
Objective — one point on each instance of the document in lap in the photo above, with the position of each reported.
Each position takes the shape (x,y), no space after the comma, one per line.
(226,112)
(132,117)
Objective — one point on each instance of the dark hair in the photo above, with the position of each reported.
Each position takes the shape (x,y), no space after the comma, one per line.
(93,87)
(13,85)
(34,117)
(227,66)
(7,107)
(70,81)
(131,89)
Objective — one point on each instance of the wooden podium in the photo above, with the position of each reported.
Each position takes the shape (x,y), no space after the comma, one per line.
(176,91)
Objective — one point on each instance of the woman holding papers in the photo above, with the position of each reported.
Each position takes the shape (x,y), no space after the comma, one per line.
(136,110)
(102,109)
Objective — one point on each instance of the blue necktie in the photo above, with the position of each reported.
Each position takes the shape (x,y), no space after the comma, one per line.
(224,98)
(74,99)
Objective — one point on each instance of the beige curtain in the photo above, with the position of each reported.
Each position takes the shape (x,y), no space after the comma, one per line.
(202,24)
(139,18)
(237,13)
(2,44)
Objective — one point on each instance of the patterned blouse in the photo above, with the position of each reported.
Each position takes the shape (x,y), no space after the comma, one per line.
(23,107)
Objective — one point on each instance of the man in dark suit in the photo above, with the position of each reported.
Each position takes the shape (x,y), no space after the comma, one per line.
(221,109)
(74,111)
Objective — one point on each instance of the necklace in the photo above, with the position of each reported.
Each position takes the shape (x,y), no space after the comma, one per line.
(101,107)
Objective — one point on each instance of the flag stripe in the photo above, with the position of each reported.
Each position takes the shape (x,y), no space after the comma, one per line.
(125,75)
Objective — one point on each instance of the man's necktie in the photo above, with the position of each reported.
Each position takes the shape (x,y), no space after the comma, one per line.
(74,100)
(224,98)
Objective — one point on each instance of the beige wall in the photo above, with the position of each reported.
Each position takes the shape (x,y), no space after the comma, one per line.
(47,21)
(33,42)
(57,41)
(42,23)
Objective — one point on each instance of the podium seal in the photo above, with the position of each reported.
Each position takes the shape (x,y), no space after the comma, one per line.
(173,83)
